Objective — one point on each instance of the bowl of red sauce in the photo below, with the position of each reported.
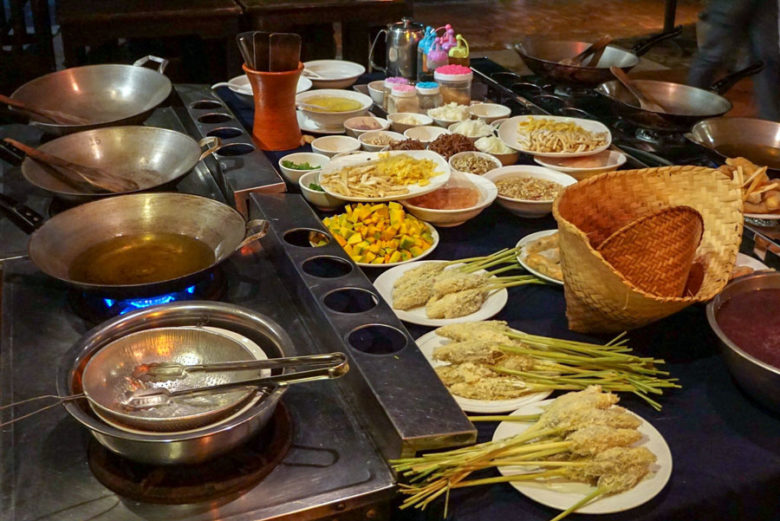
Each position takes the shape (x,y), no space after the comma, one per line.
(454,203)
(746,319)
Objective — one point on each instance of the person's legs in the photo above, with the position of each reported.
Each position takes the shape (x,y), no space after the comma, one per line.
(764,46)
(727,21)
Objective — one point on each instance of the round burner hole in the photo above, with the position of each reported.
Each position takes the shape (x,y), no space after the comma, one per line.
(306,238)
(327,267)
(377,339)
(206,105)
(225,132)
(235,149)
(216,117)
(572,112)
(549,102)
(350,300)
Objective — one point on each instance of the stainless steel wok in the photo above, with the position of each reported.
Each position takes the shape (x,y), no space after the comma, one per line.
(54,246)
(106,95)
(152,157)
(175,448)
(683,105)
(542,56)
(755,139)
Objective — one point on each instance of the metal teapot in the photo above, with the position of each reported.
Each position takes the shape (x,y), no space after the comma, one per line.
(401,39)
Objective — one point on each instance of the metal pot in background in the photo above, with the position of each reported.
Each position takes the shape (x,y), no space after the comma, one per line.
(175,448)
(401,39)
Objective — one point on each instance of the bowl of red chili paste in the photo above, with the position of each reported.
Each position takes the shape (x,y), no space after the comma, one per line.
(746,319)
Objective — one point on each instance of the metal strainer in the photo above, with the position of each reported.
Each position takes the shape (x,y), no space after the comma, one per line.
(107,377)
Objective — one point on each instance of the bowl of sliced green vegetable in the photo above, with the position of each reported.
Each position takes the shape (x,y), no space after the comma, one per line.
(314,193)
(293,166)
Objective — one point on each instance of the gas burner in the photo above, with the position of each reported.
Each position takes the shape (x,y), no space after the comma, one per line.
(660,138)
(98,306)
(227,475)
(58,205)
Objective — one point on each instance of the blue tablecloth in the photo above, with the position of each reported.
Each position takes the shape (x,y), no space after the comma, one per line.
(725,446)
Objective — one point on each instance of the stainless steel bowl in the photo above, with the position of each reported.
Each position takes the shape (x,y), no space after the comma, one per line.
(759,379)
(185,447)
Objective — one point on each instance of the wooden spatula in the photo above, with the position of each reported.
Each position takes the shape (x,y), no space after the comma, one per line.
(55,116)
(596,47)
(644,102)
(285,51)
(260,39)
(94,176)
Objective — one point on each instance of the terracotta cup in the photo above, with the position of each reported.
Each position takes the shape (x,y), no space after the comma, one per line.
(276,123)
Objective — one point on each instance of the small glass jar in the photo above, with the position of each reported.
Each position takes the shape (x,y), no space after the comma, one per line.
(455,83)
(428,95)
(403,98)
(388,87)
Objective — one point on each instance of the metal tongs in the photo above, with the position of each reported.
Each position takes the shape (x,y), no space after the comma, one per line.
(326,366)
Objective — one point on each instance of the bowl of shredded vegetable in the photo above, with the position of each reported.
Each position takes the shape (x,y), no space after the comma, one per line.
(293,166)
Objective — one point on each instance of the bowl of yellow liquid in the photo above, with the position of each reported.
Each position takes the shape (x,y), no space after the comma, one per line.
(329,108)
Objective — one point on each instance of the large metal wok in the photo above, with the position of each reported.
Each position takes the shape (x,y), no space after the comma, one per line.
(755,139)
(106,95)
(58,242)
(542,56)
(683,105)
(152,157)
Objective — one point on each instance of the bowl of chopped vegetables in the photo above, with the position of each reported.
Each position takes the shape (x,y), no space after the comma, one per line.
(313,193)
(293,166)
(381,235)
(528,191)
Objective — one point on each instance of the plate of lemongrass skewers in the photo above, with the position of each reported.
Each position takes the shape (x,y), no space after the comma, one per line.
(564,493)
(429,342)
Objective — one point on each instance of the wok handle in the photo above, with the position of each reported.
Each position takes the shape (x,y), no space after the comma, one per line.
(642,47)
(255,229)
(10,154)
(212,144)
(724,84)
(163,63)
(24,217)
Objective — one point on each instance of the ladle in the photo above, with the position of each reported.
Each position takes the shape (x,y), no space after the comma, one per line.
(96,177)
(54,115)
(644,103)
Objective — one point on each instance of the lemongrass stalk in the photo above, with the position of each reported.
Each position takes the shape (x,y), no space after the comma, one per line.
(582,502)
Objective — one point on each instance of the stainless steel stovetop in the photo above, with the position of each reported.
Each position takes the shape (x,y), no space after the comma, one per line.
(344,431)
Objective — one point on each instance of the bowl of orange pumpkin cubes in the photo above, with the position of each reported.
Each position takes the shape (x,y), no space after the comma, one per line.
(381,235)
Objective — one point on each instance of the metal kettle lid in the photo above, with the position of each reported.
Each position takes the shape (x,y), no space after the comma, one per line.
(407,23)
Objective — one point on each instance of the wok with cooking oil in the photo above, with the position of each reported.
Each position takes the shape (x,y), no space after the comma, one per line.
(140,244)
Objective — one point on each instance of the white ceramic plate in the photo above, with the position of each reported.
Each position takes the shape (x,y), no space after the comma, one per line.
(749,262)
(613,161)
(494,303)
(436,182)
(764,216)
(310,126)
(240,85)
(563,494)
(430,341)
(521,257)
(511,136)
(333,74)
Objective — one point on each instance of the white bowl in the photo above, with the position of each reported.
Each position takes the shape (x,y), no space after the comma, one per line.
(352,125)
(609,160)
(507,158)
(240,85)
(425,134)
(421,120)
(510,134)
(449,218)
(524,207)
(376,89)
(319,200)
(292,175)
(368,147)
(332,145)
(332,119)
(496,163)
(332,74)
(489,112)
(447,122)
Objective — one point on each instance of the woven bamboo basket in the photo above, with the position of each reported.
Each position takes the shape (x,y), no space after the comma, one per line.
(598,297)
